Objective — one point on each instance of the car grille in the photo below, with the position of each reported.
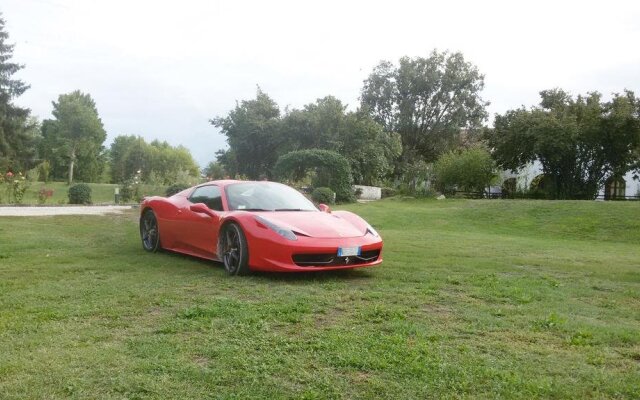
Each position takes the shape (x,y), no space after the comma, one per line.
(331,259)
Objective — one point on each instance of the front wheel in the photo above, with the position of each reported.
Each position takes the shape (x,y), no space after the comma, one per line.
(149,231)
(235,253)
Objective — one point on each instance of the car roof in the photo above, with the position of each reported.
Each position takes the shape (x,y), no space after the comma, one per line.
(226,182)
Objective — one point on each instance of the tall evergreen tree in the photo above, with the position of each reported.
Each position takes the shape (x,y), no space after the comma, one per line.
(17,148)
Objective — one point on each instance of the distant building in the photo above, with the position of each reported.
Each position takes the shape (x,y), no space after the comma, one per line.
(529,177)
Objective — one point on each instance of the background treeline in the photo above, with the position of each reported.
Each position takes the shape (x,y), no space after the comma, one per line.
(420,126)
(70,146)
(409,115)
(259,133)
(156,163)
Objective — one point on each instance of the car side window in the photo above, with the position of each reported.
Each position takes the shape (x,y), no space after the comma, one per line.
(209,195)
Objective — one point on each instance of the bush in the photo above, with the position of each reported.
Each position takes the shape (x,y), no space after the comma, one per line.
(44,170)
(332,170)
(468,170)
(44,194)
(175,188)
(80,194)
(387,192)
(128,191)
(323,195)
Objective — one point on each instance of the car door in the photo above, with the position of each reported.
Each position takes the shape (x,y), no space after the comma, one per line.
(199,230)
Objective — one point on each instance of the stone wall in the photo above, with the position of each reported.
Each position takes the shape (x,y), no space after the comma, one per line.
(369,192)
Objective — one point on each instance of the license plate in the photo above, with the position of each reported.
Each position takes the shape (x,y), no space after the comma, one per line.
(348,251)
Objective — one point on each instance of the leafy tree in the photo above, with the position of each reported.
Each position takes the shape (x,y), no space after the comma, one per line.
(227,159)
(428,101)
(157,162)
(318,125)
(17,131)
(258,135)
(78,131)
(119,151)
(214,170)
(253,133)
(369,150)
(580,141)
(326,125)
(470,170)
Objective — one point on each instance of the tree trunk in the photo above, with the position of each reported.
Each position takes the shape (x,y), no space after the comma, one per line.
(72,160)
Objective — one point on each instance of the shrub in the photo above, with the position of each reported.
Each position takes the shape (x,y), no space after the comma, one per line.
(387,192)
(323,195)
(127,192)
(130,189)
(44,194)
(175,188)
(16,186)
(44,170)
(332,170)
(468,170)
(80,194)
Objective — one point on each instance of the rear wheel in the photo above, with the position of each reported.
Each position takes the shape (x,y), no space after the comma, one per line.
(235,253)
(149,231)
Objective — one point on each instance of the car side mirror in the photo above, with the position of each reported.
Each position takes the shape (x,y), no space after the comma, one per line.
(202,208)
(324,208)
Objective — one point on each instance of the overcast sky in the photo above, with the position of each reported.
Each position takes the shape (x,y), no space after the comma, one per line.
(162,69)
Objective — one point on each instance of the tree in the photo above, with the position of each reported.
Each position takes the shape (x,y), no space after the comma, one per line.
(119,151)
(78,130)
(258,135)
(470,170)
(318,125)
(326,125)
(369,150)
(214,170)
(428,101)
(252,130)
(156,162)
(579,142)
(17,138)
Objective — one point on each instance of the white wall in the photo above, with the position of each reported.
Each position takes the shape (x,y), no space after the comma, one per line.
(369,192)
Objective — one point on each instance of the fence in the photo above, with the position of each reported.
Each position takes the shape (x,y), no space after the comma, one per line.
(539,196)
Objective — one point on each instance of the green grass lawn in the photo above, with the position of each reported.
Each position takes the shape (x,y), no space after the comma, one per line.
(101,193)
(489,299)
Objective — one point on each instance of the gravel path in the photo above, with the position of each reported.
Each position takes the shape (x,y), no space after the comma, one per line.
(71,210)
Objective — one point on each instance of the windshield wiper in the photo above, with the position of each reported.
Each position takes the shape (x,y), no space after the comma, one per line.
(290,209)
(251,209)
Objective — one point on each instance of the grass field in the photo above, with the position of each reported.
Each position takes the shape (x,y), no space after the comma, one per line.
(101,193)
(489,299)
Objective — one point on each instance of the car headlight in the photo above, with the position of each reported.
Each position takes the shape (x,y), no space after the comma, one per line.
(285,233)
(372,231)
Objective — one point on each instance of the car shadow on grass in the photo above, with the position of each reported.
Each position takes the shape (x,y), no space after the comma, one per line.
(321,276)
(289,277)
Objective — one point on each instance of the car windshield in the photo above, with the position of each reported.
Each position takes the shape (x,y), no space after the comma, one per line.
(266,196)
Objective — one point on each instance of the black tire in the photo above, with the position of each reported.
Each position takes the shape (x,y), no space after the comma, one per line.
(234,250)
(149,232)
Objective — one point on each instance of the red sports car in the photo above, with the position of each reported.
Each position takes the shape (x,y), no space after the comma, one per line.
(258,226)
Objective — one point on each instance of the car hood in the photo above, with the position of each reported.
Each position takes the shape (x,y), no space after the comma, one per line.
(315,224)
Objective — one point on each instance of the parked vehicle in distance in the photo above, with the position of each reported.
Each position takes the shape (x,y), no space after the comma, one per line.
(258,226)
